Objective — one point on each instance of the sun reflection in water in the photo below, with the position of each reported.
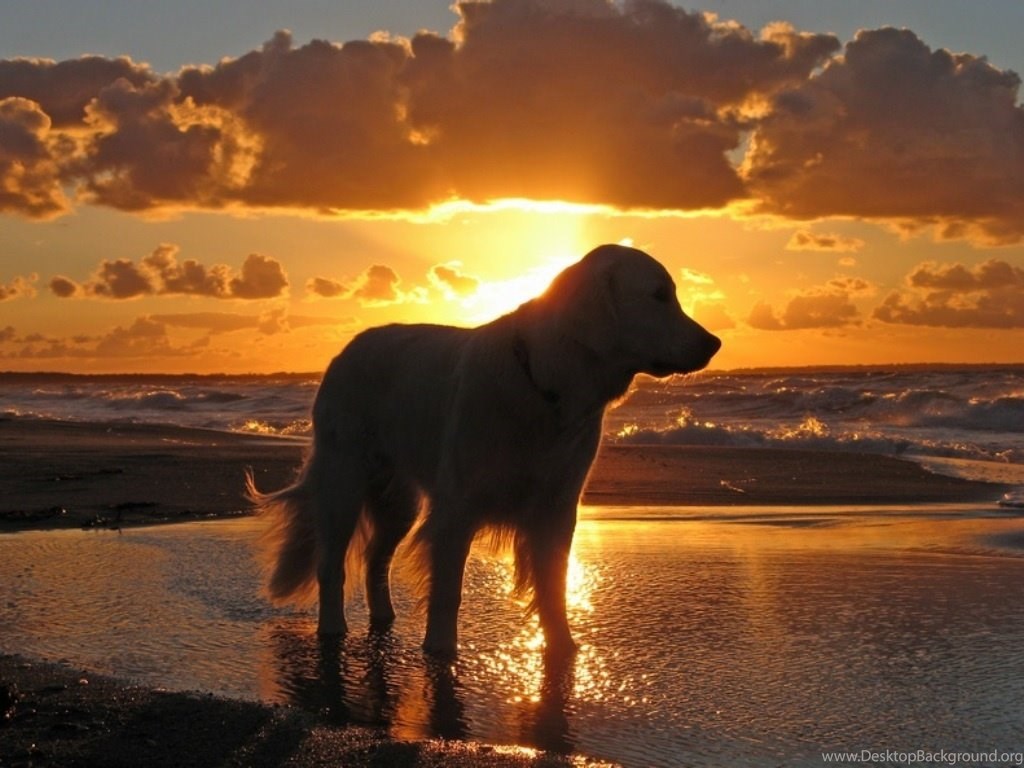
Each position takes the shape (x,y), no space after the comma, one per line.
(520,663)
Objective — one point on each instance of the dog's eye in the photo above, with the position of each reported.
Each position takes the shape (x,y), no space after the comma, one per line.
(662,295)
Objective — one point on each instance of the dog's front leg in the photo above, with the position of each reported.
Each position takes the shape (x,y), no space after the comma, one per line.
(449,548)
(549,555)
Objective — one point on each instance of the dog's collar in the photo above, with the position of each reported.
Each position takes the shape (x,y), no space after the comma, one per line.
(522,354)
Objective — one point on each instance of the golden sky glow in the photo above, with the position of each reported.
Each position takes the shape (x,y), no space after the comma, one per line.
(818,199)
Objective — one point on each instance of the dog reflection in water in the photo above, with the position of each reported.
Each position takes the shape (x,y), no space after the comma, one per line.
(471,429)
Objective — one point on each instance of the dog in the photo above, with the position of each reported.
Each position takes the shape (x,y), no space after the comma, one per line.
(466,429)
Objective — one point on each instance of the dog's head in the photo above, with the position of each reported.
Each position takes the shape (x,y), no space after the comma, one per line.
(622,304)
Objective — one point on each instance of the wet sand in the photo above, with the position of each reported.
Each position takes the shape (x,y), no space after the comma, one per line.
(61,475)
(57,716)
(66,475)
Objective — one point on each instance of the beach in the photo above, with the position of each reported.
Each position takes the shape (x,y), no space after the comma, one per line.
(60,474)
(66,475)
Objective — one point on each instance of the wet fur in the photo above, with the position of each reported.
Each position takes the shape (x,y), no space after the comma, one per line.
(454,431)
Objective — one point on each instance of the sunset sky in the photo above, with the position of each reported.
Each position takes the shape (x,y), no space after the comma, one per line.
(241,186)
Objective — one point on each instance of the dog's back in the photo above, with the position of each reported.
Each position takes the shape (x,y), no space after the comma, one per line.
(388,393)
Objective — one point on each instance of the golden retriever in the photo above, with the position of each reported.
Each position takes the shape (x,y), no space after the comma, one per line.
(466,429)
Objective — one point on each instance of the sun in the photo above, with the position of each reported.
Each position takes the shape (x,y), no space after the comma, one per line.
(499,297)
(519,251)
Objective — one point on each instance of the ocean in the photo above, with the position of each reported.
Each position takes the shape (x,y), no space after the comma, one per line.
(967,421)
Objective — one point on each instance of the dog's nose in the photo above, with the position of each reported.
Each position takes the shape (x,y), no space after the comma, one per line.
(712,344)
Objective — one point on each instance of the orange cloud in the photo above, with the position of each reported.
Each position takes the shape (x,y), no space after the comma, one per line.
(451,281)
(803,240)
(268,323)
(821,307)
(378,286)
(144,338)
(160,273)
(19,287)
(893,129)
(989,295)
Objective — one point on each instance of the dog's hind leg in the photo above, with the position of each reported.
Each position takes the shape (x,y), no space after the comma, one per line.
(393,506)
(338,493)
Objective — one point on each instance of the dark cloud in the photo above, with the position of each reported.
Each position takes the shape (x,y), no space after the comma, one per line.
(64,89)
(989,295)
(626,104)
(19,287)
(161,273)
(64,287)
(29,166)
(637,105)
(449,279)
(893,129)
(261,278)
(7,333)
(820,307)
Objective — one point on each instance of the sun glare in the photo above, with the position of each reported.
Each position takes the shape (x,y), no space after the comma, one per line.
(498,297)
(523,249)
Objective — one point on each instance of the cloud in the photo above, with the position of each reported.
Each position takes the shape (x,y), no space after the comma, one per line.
(635,105)
(144,338)
(804,240)
(160,273)
(450,280)
(378,286)
(327,288)
(19,287)
(821,307)
(64,287)
(7,333)
(30,173)
(988,295)
(261,278)
(64,89)
(695,277)
(212,322)
(268,323)
(896,130)
(632,105)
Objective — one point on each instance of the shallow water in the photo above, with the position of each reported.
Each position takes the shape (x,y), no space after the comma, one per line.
(748,637)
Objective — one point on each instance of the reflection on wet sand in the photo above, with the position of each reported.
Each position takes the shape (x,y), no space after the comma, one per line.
(374,679)
(371,680)
(702,640)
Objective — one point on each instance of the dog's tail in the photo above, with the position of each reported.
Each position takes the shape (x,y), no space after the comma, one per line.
(288,544)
